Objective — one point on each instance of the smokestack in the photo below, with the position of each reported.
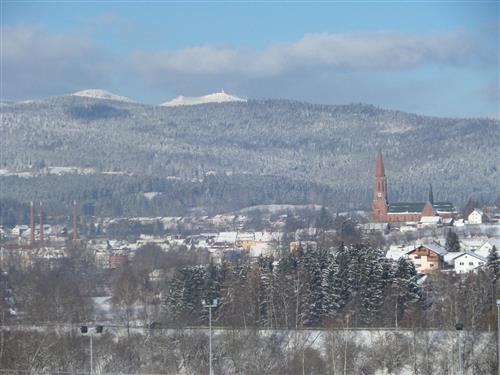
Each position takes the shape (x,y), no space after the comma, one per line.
(75,234)
(41,223)
(32,224)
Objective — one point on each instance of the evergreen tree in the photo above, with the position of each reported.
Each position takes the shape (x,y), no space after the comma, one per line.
(287,291)
(493,264)
(341,284)
(187,290)
(405,287)
(373,284)
(262,277)
(324,220)
(313,264)
(330,288)
(235,304)
(452,242)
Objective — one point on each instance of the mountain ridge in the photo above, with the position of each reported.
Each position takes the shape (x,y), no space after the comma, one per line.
(101,94)
(217,97)
(332,145)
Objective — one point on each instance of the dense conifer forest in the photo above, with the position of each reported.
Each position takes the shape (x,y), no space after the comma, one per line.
(232,155)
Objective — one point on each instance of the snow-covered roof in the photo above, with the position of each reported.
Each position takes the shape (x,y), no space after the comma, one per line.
(395,252)
(477,210)
(267,236)
(433,247)
(472,255)
(450,257)
(484,250)
(430,219)
(246,236)
(226,237)
(491,242)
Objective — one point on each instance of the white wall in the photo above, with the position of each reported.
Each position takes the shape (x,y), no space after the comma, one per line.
(466,263)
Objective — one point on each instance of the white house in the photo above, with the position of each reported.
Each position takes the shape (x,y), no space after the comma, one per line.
(484,250)
(228,238)
(468,261)
(18,230)
(427,258)
(261,248)
(472,244)
(476,217)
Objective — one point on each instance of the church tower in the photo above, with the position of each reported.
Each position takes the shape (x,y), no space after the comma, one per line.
(380,204)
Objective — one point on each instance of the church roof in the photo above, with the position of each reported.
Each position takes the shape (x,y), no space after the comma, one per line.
(404,207)
(443,207)
(417,207)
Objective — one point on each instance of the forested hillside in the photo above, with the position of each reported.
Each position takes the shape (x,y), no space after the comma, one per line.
(259,145)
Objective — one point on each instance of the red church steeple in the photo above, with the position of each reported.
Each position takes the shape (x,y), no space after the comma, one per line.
(380,204)
(379,169)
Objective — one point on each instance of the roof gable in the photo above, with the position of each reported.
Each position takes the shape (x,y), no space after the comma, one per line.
(474,255)
(432,247)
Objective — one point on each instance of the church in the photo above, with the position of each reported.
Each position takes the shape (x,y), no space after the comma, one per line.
(385,212)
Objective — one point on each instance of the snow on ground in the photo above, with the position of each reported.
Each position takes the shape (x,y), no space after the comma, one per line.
(101,94)
(103,307)
(218,97)
(275,208)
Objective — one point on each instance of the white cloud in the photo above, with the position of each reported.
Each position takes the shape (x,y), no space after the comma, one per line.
(384,50)
(41,63)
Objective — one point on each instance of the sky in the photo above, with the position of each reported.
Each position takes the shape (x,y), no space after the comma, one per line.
(427,57)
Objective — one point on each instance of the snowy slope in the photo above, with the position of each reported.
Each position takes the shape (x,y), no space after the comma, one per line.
(101,94)
(218,97)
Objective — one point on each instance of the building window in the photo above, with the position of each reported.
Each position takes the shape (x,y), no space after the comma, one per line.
(461,263)
(418,265)
(471,263)
(431,265)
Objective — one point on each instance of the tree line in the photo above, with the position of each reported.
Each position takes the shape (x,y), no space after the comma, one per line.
(308,302)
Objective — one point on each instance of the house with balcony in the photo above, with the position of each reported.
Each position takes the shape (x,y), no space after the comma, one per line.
(427,258)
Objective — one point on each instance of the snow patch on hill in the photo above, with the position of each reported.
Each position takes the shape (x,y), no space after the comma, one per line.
(101,94)
(218,97)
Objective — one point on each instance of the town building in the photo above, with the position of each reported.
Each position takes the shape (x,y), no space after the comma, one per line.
(485,248)
(427,258)
(385,212)
(468,261)
(476,217)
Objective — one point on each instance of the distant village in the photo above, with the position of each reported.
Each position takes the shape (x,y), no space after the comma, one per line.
(419,231)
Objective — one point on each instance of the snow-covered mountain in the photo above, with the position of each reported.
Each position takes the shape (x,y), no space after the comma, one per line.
(101,94)
(218,97)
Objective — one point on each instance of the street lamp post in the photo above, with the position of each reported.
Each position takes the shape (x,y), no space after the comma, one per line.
(90,330)
(209,307)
